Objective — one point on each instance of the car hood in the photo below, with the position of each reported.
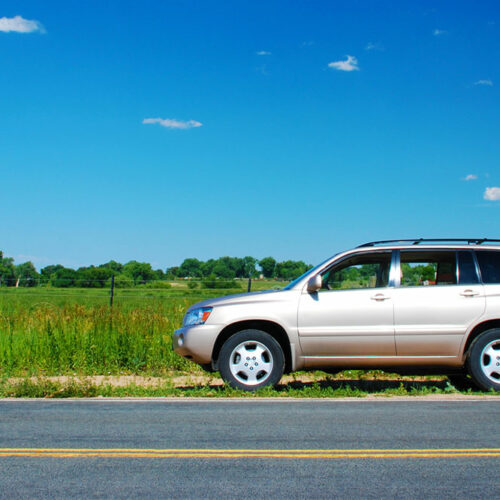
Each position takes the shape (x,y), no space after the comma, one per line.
(243,298)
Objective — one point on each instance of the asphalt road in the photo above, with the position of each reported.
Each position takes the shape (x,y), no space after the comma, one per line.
(162,449)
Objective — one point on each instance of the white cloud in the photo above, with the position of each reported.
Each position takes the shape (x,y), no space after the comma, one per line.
(437,32)
(172,123)
(374,46)
(488,82)
(470,177)
(492,194)
(20,25)
(263,53)
(350,64)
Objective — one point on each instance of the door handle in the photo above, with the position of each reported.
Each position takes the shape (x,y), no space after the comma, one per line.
(379,297)
(469,293)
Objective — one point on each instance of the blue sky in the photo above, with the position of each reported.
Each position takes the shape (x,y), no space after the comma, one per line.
(160,130)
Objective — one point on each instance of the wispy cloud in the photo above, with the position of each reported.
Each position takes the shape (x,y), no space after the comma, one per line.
(470,177)
(350,64)
(18,24)
(437,32)
(263,53)
(492,194)
(172,123)
(488,82)
(374,46)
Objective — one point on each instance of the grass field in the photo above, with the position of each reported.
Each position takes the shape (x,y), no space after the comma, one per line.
(48,332)
(74,331)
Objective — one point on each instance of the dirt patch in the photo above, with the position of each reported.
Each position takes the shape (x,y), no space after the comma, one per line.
(207,380)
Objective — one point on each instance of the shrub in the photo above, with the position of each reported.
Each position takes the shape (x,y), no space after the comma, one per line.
(213,282)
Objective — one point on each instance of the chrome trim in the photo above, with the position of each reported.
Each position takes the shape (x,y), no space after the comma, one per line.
(478,268)
(395,273)
(374,356)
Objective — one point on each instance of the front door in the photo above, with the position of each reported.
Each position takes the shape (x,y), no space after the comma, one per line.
(352,314)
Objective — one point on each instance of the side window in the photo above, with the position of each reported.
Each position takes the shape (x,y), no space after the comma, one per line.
(361,271)
(489,263)
(467,274)
(428,268)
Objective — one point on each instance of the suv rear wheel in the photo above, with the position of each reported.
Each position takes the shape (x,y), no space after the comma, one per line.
(251,359)
(483,361)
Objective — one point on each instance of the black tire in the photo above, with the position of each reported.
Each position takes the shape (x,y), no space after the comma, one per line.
(484,368)
(253,354)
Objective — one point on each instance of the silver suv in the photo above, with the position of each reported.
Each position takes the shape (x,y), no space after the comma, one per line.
(413,306)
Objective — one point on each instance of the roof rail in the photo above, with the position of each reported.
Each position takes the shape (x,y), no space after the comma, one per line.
(416,241)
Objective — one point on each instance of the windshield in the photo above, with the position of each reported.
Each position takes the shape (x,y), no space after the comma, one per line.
(311,271)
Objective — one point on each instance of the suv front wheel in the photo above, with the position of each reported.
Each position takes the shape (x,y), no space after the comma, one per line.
(483,361)
(251,359)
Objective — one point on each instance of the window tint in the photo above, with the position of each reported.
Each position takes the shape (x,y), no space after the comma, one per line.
(467,274)
(361,271)
(424,268)
(489,263)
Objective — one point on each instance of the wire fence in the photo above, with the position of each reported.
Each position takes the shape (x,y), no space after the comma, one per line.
(105,282)
(107,290)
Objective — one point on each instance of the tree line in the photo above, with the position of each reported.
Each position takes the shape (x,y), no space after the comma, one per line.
(133,273)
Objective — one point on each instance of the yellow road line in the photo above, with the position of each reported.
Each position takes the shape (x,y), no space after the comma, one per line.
(248,453)
(260,450)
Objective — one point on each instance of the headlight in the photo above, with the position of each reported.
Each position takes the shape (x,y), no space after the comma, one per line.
(197,316)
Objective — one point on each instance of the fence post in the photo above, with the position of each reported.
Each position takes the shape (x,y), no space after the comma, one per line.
(112,291)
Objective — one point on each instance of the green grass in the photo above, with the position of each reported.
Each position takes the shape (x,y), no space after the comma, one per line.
(54,331)
(44,388)
(50,332)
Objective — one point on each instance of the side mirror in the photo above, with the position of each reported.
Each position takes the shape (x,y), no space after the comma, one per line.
(314,283)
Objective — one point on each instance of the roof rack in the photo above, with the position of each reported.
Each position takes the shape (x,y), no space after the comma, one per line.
(416,241)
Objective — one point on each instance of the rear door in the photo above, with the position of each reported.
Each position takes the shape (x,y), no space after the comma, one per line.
(439,297)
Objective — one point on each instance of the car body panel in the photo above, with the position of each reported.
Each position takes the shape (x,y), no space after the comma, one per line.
(346,322)
(432,320)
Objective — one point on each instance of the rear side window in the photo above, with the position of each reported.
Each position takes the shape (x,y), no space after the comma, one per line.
(489,263)
(467,274)
(428,267)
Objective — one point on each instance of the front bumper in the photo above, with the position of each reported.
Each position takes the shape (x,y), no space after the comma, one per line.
(196,342)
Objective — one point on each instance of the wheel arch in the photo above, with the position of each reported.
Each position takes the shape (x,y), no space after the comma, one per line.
(478,330)
(274,329)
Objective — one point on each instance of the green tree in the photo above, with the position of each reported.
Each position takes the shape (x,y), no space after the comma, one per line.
(249,270)
(207,268)
(140,272)
(172,272)
(48,271)
(64,278)
(268,265)
(93,277)
(27,274)
(190,268)
(116,267)
(289,269)
(223,270)
(159,274)
(7,271)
